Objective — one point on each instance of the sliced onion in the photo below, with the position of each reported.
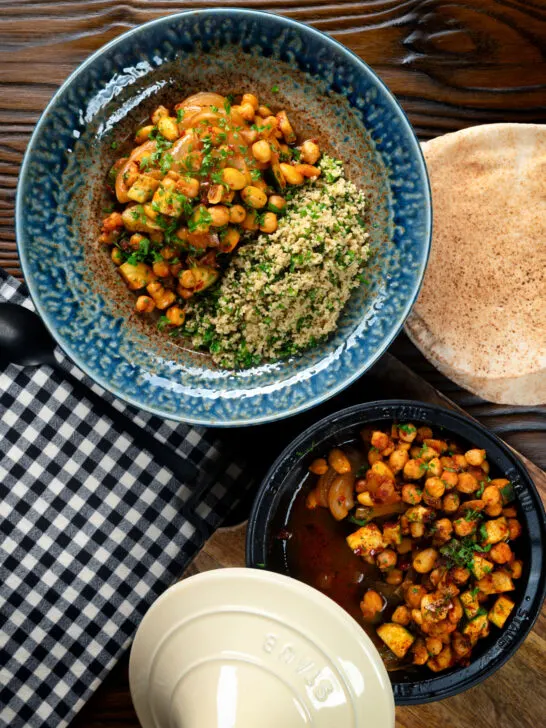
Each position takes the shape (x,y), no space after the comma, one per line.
(194,120)
(203,98)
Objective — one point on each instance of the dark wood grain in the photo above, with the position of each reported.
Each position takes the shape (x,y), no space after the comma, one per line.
(451,64)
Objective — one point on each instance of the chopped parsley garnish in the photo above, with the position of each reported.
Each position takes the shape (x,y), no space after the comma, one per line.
(274,89)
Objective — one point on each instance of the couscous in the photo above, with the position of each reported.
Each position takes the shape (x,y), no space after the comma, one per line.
(243,242)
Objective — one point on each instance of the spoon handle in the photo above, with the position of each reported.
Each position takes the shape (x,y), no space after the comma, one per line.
(184,470)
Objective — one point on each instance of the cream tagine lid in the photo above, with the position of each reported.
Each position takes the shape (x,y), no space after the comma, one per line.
(242,648)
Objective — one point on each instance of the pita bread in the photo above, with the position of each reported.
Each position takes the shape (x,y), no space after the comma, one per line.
(481,315)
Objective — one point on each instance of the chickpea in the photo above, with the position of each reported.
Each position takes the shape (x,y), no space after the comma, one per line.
(509,512)
(434,467)
(411,494)
(435,487)
(386,559)
(456,612)
(459,574)
(459,461)
(436,575)
(414,594)
(308,170)
(311,500)
(380,440)
(261,151)
(176,315)
(491,496)
(237,214)
(516,569)
(251,221)
(485,467)
(475,457)
(434,645)
(463,528)
(310,151)
(167,253)
(291,174)
(228,196)
(407,433)
(428,454)
(461,644)
(467,483)
(235,179)
(423,433)
(501,553)
(270,126)
(229,240)
(168,128)
(374,456)
(175,269)
(405,546)
(269,223)
(144,304)
(276,203)
(450,479)
(372,603)
(397,460)
(339,461)
(401,615)
(494,511)
(250,99)
(414,469)
(514,528)
(420,652)
(246,110)
(394,577)
(161,269)
(160,113)
(163,298)
(424,560)
(264,111)
(415,450)
(219,215)
(382,470)
(254,197)
(417,530)
(319,466)
(444,529)
(117,256)
(451,502)
(143,134)
(286,127)
(440,446)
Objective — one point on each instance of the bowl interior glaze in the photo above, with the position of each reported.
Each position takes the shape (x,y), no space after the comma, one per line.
(329,93)
(270,515)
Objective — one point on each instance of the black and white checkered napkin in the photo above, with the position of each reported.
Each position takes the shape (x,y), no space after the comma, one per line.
(91,532)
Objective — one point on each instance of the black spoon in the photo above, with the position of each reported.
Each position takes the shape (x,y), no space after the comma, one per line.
(24,340)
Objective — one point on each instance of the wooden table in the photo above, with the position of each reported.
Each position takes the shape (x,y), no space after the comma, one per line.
(451,64)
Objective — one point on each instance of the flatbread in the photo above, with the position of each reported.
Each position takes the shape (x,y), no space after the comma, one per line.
(481,315)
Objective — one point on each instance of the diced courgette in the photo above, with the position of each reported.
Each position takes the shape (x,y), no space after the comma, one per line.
(477,627)
(397,638)
(495,583)
(480,566)
(470,604)
(500,611)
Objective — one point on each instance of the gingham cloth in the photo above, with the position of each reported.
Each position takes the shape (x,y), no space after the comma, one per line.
(90,534)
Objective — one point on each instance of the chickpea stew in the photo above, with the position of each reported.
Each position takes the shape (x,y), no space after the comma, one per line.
(205,179)
(409,533)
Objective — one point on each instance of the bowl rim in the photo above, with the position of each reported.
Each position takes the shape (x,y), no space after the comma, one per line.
(21,236)
(533,594)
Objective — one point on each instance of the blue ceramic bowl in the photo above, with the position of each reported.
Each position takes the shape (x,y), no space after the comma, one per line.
(329,93)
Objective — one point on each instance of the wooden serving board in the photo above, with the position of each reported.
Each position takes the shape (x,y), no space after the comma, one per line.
(515,696)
